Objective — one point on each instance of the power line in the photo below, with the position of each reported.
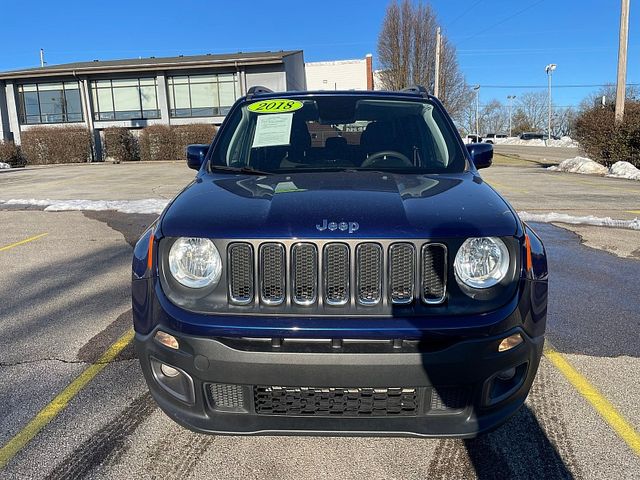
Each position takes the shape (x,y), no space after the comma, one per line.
(500,22)
(464,13)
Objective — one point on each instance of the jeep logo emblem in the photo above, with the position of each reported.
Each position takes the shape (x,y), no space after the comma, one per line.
(350,227)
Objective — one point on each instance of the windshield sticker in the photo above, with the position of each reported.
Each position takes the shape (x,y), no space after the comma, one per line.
(277,105)
(273,130)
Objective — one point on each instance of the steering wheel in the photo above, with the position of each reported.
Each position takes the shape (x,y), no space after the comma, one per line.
(380,157)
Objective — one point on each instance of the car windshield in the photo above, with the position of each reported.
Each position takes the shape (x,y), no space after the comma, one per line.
(337,133)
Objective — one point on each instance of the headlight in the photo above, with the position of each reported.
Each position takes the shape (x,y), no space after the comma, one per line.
(195,262)
(482,262)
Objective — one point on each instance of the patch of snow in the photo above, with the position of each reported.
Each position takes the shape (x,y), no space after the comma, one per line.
(4,166)
(580,165)
(562,142)
(589,167)
(149,205)
(575,220)
(624,170)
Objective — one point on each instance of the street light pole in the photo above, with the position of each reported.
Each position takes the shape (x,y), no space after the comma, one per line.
(510,98)
(549,69)
(477,90)
(621,80)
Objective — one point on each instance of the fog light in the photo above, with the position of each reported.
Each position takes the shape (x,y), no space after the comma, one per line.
(507,374)
(168,371)
(167,340)
(510,342)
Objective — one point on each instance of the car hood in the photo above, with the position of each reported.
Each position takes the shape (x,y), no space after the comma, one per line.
(339,205)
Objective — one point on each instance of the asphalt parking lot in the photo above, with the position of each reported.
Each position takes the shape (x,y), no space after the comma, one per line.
(64,302)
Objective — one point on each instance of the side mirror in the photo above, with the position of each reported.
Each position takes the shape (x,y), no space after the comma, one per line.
(481,154)
(196,154)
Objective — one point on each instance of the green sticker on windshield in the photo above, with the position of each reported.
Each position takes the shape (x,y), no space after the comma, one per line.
(278,105)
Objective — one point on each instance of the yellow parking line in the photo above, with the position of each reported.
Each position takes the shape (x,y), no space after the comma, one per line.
(603,406)
(60,402)
(22,242)
(633,211)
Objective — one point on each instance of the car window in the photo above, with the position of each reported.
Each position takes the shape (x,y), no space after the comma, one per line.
(339,132)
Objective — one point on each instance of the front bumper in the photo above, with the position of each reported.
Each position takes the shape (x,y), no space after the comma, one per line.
(454,389)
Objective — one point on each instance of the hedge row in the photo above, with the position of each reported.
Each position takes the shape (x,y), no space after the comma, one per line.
(46,145)
(160,142)
(157,142)
(607,142)
(10,153)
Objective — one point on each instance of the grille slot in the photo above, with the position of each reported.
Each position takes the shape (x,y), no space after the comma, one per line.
(402,261)
(434,273)
(445,399)
(369,275)
(225,395)
(240,273)
(304,273)
(336,273)
(272,273)
(347,402)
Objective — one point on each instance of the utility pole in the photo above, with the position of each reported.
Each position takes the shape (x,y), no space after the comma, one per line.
(549,69)
(510,98)
(621,82)
(436,81)
(477,90)
(42,62)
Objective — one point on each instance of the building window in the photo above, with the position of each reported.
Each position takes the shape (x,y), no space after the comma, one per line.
(49,103)
(201,95)
(125,99)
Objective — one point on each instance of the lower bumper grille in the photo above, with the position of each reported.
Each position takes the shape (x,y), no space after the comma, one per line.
(336,401)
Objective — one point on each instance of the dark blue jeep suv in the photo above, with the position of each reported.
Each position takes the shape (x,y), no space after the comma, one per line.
(338,266)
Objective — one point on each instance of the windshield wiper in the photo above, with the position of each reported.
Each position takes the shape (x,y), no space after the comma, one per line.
(247,170)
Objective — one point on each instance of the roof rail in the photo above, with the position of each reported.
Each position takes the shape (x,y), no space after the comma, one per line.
(256,90)
(416,90)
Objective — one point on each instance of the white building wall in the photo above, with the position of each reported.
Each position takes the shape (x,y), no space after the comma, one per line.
(338,75)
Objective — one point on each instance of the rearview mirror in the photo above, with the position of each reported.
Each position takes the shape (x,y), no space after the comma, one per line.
(196,154)
(481,154)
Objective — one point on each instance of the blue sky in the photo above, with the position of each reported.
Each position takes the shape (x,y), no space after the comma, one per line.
(500,42)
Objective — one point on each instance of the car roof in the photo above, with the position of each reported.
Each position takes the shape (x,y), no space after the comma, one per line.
(349,93)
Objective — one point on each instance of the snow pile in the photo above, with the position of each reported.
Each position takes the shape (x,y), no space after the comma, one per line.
(587,220)
(562,142)
(589,167)
(580,165)
(624,170)
(150,205)
(4,165)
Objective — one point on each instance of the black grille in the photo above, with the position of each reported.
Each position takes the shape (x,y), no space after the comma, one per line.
(336,401)
(434,272)
(369,265)
(225,395)
(402,261)
(336,266)
(272,271)
(241,273)
(382,276)
(448,398)
(305,273)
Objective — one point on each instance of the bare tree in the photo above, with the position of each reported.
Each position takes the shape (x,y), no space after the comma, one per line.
(531,112)
(494,118)
(563,121)
(406,53)
(594,99)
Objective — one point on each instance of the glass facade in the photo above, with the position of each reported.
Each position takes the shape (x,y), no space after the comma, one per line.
(125,99)
(201,95)
(49,103)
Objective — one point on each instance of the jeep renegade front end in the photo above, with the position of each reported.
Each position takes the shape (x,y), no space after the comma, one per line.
(338,266)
